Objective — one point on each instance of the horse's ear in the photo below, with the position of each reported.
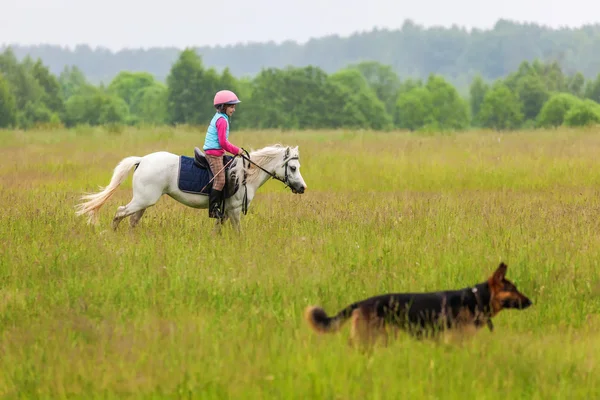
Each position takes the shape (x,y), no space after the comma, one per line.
(287,153)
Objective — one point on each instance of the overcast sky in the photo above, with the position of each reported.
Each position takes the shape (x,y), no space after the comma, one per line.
(145,23)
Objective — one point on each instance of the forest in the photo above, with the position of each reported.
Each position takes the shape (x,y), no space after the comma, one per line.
(514,76)
(412,51)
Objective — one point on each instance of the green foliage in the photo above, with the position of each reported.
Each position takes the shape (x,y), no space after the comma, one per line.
(32,114)
(8,109)
(414,51)
(52,98)
(25,87)
(437,106)
(533,83)
(143,96)
(149,105)
(364,95)
(72,81)
(413,109)
(592,90)
(114,110)
(477,93)
(584,113)
(267,107)
(82,109)
(294,98)
(449,111)
(554,78)
(96,108)
(501,108)
(228,81)
(126,84)
(36,91)
(576,84)
(185,85)
(361,106)
(190,90)
(383,80)
(532,92)
(554,110)
(407,85)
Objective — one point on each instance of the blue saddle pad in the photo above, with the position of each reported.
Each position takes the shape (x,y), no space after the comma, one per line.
(194,179)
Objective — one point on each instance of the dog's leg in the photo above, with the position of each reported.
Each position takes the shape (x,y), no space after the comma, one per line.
(360,336)
(367,329)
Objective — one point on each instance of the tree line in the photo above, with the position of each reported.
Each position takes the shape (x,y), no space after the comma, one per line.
(365,95)
(412,51)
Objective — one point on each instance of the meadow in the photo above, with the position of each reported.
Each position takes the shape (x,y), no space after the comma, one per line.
(167,310)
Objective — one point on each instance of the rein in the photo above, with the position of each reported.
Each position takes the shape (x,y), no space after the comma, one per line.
(285,181)
(214,175)
(271,174)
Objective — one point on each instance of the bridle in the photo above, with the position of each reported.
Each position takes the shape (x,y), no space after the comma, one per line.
(285,180)
(286,159)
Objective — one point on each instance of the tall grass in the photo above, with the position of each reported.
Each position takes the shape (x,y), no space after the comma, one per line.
(168,310)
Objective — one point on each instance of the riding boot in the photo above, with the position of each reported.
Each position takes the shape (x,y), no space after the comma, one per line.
(214,204)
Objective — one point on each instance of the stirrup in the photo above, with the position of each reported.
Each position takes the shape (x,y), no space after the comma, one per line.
(215,212)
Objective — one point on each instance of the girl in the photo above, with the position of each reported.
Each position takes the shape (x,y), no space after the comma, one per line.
(215,145)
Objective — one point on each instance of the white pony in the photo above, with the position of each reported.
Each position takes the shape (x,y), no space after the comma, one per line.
(157,174)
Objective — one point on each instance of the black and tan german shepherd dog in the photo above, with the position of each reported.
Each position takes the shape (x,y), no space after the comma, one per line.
(424,314)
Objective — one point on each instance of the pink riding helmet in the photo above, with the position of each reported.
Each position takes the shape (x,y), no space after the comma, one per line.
(225,97)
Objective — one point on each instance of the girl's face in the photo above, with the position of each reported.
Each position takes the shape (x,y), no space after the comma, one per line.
(229,110)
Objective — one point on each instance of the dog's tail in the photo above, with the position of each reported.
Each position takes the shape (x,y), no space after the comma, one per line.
(319,321)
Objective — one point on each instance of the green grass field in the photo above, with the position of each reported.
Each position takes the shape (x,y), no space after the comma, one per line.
(167,310)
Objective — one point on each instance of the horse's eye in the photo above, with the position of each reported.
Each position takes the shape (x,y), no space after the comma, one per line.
(293,169)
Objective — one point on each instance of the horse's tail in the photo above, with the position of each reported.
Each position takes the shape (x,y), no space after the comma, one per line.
(95,200)
(319,321)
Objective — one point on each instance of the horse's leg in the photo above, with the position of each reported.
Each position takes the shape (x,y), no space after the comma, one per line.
(217,228)
(125,211)
(134,219)
(219,224)
(148,187)
(234,216)
(134,206)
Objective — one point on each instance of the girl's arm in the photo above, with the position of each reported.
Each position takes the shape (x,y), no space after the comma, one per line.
(222,132)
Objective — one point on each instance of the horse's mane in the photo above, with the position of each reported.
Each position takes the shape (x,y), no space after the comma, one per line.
(263,157)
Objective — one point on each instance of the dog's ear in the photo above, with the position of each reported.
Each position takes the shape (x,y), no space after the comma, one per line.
(500,273)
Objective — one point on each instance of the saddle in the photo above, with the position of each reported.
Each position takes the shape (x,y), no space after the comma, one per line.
(200,160)
(191,180)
